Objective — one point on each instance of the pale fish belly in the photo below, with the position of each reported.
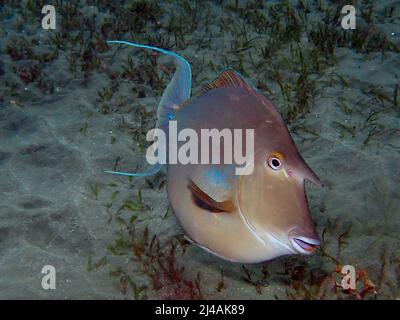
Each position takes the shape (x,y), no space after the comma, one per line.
(224,234)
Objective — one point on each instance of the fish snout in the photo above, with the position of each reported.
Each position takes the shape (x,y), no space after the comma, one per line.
(304,244)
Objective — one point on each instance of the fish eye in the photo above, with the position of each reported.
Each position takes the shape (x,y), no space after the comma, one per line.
(275,161)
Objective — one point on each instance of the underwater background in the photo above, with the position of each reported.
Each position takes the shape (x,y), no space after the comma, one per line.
(71,107)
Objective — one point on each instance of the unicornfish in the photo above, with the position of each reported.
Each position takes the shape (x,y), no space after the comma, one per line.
(246,218)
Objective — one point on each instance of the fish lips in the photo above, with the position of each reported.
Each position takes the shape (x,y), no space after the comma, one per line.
(305,245)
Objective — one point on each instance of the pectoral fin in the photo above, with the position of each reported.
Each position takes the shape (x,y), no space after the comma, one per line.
(204,201)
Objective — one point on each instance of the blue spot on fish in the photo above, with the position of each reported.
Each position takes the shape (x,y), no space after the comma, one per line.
(217,177)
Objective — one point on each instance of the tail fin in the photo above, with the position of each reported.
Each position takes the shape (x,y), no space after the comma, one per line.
(178,90)
(152,171)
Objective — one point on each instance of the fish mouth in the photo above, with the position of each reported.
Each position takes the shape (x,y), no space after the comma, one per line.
(305,245)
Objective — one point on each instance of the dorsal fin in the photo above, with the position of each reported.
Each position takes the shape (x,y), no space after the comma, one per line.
(228,78)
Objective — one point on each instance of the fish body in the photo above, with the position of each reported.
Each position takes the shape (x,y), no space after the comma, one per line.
(245,218)
(256,230)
